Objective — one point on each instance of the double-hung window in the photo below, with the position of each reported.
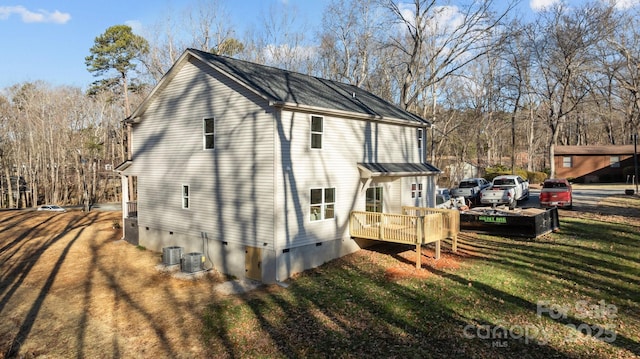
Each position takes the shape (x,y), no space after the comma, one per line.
(566,162)
(185,196)
(317,130)
(322,203)
(208,133)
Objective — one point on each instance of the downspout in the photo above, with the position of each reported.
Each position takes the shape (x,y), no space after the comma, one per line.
(433,142)
(276,159)
(124,182)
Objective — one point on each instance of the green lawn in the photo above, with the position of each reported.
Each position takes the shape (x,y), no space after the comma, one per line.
(571,294)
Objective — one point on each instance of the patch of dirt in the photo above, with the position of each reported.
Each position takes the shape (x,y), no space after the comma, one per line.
(406,267)
(70,287)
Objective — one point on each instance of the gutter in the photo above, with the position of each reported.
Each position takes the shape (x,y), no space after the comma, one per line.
(347,114)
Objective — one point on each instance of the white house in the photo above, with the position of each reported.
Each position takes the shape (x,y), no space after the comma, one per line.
(258,168)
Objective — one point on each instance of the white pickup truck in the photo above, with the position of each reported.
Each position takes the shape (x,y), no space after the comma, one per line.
(470,189)
(506,189)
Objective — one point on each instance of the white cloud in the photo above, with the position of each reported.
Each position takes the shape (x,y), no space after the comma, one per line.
(40,15)
(135,25)
(541,5)
(626,4)
(440,19)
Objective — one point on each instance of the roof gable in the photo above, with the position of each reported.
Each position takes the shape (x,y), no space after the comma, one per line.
(291,89)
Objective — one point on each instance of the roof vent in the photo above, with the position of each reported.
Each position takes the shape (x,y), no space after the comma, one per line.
(192,262)
(353,95)
(171,255)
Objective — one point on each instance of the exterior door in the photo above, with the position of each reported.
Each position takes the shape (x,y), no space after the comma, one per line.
(253,263)
(374,199)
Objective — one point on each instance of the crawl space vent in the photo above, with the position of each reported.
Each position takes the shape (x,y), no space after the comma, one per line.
(192,262)
(171,255)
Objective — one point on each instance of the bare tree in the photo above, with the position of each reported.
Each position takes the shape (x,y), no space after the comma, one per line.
(563,52)
(626,44)
(204,25)
(348,39)
(438,41)
(281,41)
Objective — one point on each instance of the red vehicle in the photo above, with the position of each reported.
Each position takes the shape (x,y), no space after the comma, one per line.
(556,192)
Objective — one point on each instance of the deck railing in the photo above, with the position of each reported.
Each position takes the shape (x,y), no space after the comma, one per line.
(450,221)
(386,227)
(417,226)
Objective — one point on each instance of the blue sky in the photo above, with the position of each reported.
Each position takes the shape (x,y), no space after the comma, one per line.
(49,39)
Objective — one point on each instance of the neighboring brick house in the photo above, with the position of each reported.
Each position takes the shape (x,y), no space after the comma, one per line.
(587,164)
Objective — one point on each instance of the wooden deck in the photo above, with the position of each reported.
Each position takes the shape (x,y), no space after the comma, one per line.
(416,226)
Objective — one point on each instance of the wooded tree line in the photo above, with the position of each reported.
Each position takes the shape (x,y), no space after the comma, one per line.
(501,89)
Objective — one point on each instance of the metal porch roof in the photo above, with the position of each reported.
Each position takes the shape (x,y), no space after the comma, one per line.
(397,169)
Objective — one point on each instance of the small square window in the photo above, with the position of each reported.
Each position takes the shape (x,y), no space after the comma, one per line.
(416,190)
(615,161)
(567,162)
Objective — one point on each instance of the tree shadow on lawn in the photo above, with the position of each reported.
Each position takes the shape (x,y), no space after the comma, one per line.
(74,274)
(23,268)
(591,276)
(349,308)
(594,273)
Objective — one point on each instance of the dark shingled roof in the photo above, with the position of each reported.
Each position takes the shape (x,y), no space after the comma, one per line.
(398,169)
(281,86)
(594,150)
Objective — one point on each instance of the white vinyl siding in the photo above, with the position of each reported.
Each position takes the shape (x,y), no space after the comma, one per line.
(346,142)
(261,154)
(234,183)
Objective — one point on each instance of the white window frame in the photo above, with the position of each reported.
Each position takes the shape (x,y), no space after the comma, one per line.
(376,206)
(319,211)
(416,190)
(206,134)
(186,196)
(614,161)
(314,133)
(567,161)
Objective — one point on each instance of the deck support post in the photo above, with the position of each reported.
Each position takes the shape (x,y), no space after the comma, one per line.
(419,241)
(454,243)
(438,249)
